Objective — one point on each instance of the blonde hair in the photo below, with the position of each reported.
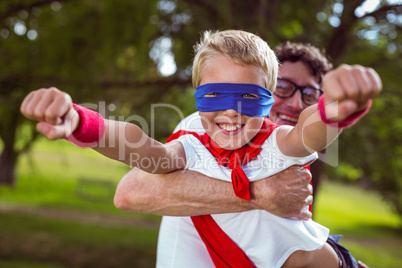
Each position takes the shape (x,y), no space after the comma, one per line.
(239,47)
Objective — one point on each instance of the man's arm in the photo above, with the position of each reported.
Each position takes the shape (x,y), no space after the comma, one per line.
(189,193)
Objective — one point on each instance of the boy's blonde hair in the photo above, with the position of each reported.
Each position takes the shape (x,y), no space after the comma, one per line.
(239,47)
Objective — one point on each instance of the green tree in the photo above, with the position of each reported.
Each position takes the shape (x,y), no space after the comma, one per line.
(117,51)
(83,47)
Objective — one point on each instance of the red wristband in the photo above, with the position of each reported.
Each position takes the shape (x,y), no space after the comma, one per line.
(344,123)
(90,130)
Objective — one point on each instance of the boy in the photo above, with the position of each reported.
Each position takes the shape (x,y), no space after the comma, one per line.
(232,71)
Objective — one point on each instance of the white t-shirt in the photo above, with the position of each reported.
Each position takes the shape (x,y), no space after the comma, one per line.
(267,240)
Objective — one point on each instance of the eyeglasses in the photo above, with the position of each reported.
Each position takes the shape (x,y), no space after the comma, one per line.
(286,89)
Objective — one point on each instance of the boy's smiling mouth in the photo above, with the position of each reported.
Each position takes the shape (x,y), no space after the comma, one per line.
(232,128)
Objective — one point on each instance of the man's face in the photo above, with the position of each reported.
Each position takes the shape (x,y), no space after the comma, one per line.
(286,111)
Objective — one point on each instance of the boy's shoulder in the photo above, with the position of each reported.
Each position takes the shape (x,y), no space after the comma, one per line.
(191,123)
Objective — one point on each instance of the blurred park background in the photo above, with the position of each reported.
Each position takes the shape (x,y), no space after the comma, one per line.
(56,200)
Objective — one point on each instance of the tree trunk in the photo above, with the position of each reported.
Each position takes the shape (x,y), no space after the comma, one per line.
(8,160)
(340,38)
(8,157)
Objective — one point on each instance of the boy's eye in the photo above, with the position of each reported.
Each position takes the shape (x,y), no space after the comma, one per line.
(212,94)
(250,96)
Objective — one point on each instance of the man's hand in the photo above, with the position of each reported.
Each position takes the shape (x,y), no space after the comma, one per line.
(285,194)
(54,111)
(348,90)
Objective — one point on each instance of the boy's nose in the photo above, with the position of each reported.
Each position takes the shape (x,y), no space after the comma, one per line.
(230,113)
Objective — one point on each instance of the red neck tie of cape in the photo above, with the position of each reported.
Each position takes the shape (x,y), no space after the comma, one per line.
(223,250)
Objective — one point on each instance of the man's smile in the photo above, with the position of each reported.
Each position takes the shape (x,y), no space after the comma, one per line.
(288,118)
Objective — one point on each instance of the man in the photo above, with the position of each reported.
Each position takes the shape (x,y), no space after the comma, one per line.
(302,65)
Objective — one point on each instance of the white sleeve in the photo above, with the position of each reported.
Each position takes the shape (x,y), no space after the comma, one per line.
(189,143)
(283,161)
(191,123)
(199,159)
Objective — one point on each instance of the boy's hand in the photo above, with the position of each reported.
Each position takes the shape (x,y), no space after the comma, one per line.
(348,90)
(54,111)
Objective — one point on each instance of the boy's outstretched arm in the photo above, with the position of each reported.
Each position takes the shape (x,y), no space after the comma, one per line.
(57,118)
(347,91)
(127,143)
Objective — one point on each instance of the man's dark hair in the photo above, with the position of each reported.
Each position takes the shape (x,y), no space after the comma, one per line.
(313,57)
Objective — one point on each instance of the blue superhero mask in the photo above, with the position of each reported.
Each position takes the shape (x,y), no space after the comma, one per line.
(231,96)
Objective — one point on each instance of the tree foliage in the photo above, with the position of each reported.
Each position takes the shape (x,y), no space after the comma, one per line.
(85,48)
(115,51)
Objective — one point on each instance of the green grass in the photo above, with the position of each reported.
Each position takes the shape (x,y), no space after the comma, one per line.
(28,241)
(59,176)
(371,230)
(344,208)
(30,264)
